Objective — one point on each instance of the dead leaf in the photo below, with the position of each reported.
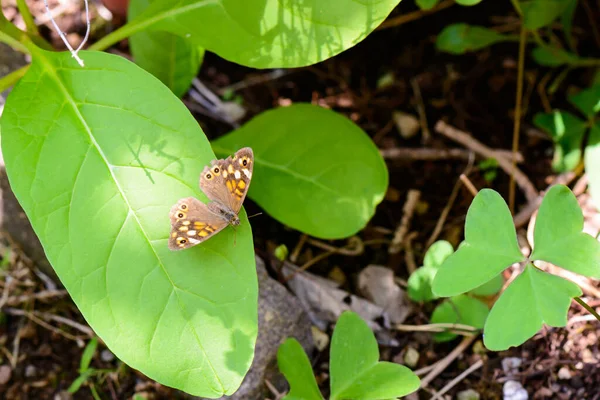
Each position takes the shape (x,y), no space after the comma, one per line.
(377,284)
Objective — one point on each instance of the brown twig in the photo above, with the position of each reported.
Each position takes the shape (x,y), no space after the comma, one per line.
(459,378)
(421,111)
(409,255)
(443,364)
(459,329)
(43,295)
(47,316)
(429,154)
(518,112)
(415,15)
(296,252)
(468,141)
(408,210)
(468,184)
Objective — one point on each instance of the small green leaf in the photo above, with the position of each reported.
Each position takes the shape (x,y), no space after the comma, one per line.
(490,246)
(539,13)
(549,56)
(281,252)
(314,170)
(567,131)
(295,366)
(437,254)
(172,59)
(426,4)
(419,284)
(97,156)
(592,163)
(88,354)
(587,100)
(490,288)
(566,19)
(272,34)
(468,2)
(462,38)
(80,380)
(356,372)
(558,236)
(534,298)
(461,309)
(420,281)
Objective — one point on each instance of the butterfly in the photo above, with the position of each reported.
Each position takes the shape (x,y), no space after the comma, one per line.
(225,182)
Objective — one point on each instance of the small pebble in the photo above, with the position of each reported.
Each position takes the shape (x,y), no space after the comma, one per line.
(106,355)
(30,371)
(564,373)
(407,124)
(5,374)
(320,338)
(411,357)
(513,390)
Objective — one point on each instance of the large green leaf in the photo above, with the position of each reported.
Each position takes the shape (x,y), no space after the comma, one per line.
(461,309)
(592,163)
(315,170)
(534,298)
(268,33)
(567,131)
(490,246)
(356,372)
(295,366)
(171,58)
(539,13)
(97,156)
(558,236)
(462,38)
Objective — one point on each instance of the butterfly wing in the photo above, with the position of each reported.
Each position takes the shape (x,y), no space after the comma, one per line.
(227,181)
(192,223)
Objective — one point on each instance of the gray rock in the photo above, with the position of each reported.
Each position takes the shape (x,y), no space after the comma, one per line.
(280,316)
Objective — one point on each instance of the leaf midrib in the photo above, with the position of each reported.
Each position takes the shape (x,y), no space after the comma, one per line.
(49,67)
(335,397)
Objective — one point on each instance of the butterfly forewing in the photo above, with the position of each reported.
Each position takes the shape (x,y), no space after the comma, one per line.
(192,223)
(227,181)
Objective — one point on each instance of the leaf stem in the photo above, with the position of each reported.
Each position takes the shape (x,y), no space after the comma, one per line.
(12,78)
(517,124)
(587,307)
(32,28)
(123,32)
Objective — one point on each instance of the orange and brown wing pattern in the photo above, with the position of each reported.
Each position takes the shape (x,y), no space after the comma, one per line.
(192,223)
(227,181)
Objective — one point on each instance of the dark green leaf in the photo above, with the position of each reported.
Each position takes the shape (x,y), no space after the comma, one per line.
(462,309)
(462,38)
(553,57)
(540,13)
(314,171)
(96,157)
(567,131)
(566,18)
(171,58)
(490,246)
(468,2)
(76,385)
(426,4)
(558,236)
(534,298)
(587,100)
(356,372)
(295,366)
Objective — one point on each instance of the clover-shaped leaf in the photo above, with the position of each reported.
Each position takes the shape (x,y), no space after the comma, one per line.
(419,282)
(461,309)
(295,366)
(356,372)
(534,298)
(558,236)
(489,288)
(490,246)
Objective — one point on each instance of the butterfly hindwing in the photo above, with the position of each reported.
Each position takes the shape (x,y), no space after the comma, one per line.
(192,223)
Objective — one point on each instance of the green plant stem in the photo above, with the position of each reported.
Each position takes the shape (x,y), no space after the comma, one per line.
(12,78)
(32,28)
(587,307)
(517,7)
(517,124)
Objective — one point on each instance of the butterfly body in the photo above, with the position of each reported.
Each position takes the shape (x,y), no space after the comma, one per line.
(225,182)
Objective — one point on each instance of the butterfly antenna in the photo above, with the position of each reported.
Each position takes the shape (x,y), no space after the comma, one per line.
(255,215)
